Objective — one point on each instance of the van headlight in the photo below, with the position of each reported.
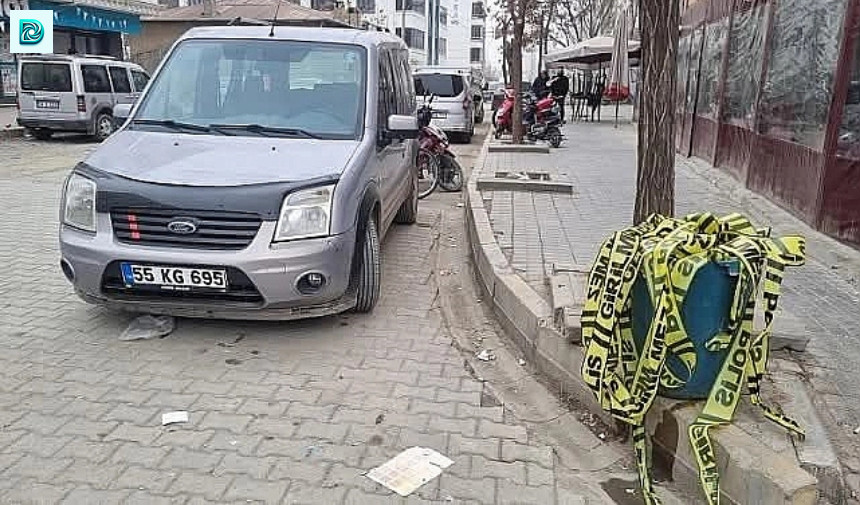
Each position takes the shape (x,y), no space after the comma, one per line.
(305,214)
(79,203)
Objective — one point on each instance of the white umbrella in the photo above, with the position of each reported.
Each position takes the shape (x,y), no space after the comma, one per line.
(618,88)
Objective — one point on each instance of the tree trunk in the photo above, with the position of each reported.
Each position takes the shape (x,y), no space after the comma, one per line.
(655,181)
(505,63)
(517,77)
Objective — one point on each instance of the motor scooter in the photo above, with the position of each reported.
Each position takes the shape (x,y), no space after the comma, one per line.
(541,118)
(437,164)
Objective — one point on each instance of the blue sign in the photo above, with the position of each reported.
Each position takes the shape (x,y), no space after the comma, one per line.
(90,18)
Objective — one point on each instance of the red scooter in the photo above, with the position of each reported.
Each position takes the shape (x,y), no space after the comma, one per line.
(437,164)
(541,118)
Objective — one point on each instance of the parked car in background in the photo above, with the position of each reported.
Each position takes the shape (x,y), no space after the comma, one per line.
(454,105)
(490,90)
(499,94)
(58,93)
(254,179)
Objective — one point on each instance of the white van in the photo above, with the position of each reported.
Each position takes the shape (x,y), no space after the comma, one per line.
(454,105)
(75,93)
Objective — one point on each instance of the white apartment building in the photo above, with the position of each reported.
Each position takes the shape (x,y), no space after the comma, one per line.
(438,32)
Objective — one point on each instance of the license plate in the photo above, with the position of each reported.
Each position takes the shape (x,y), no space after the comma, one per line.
(47,104)
(173,278)
(440,115)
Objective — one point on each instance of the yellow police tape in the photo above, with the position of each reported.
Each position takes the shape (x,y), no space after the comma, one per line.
(668,252)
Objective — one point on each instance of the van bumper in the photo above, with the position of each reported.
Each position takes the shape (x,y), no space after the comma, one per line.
(269,274)
(66,125)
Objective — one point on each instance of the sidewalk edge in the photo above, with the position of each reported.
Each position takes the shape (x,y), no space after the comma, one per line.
(761,477)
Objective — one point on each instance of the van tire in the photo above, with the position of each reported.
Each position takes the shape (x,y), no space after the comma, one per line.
(408,212)
(43,133)
(369,278)
(104,126)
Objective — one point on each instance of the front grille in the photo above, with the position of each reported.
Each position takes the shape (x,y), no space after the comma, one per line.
(215,229)
(240,289)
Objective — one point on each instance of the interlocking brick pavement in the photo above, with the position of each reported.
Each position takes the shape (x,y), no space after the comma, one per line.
(279,412)
(537,231)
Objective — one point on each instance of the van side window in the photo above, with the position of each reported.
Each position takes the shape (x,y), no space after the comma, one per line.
(387,100)
(95,79)
(119,78)
(407,88)
(140,79)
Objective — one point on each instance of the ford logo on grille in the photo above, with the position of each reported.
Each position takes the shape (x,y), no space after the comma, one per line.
(182,227)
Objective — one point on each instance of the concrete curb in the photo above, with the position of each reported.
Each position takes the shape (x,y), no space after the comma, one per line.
(751,472)
(506,147)
(11,133)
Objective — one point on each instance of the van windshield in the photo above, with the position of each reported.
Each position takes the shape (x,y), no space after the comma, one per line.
(442,85)
(316,88)
(56,77)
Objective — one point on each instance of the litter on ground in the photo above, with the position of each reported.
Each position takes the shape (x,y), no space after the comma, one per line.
(410,470)
(180,416)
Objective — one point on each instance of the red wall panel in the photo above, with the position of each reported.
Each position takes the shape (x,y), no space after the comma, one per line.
(840,209)
(704,138)
(787,173)
(734,150)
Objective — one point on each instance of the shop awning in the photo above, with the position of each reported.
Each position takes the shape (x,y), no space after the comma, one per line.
(84,17)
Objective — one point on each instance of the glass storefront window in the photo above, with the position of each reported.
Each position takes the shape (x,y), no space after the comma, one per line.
(693,80)
(682,67)
(746,49)
(800,76)
(712,64)
(848,145)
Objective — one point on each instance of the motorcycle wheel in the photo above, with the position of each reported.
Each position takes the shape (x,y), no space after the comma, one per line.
(428,173)
(555,137)
(450,174)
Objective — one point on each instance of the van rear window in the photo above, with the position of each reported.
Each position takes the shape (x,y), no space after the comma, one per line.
(442,85)
(46,77)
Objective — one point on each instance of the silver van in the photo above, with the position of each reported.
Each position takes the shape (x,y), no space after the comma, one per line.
(75,93)
(454,105)
(254,179)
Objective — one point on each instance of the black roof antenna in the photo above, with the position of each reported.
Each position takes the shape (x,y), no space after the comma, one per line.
(275,19)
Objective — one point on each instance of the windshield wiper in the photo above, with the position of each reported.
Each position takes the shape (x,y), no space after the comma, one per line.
(175,125)
(266,131)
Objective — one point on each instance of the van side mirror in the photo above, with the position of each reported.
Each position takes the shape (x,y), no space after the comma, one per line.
(121,112)
(402,127)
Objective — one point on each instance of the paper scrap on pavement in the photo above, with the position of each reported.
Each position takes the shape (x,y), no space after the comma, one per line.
(486,355)
(179,416)
(410,470)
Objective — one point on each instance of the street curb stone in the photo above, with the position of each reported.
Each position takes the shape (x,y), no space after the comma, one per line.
(751,473)
(11,133)
(503,147)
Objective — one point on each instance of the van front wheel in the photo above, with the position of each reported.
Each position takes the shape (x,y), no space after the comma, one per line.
(104,126)
(369,278)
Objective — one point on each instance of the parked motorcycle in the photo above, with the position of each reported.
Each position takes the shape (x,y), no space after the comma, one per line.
(541,118)
(437,164)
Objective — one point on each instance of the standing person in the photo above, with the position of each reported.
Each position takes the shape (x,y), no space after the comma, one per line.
(560,87)
(539,86)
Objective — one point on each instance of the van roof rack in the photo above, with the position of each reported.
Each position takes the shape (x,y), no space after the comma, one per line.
(69,57)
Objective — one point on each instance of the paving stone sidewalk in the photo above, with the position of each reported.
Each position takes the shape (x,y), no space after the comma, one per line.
(538,230)
(279,412)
